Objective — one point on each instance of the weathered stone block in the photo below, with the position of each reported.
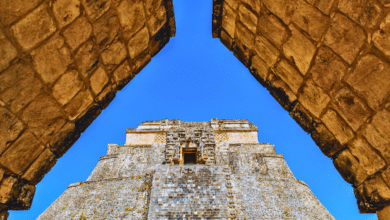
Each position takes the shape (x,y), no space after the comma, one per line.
(266,51)
(281,92)
(123,75)
(64,139)
(78,32)
(259,69)
(11,10)
(34,28)
(371,80)
(328,70)
(271,27)
(233,3)
(325,140)
(226,40)
(67,87)
(377,140)
(87,58)
(10,128)
(345,37)
(337,126)
(139,43)
(349,168)
(366,155)
(381,121)
(106,96)
(324,5)
(98,80)
(284,9)
(157,20)
(85,119)
(255,5)
(228,20)
(383,213)
(372,194)
(51,59)
(131,16)
(299,50)
(4,215)
(310,19)
(366,13)
(95,8)
(313,98)
(40,167)
(79,104)
(18,86)
(9,189)
(159,40)
(23,198)
(66,11)
(43,117)
(302,117)
(7,50)
(21,153)
(289,75)
(106,29)
(151,6)
(114,54)
(381,37)
(351,108)
(140,62)
(248,18)
(244,36)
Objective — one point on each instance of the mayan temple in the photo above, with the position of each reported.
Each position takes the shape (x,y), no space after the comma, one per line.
(171,169)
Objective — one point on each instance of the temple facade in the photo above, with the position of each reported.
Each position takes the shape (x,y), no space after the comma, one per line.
(171,169)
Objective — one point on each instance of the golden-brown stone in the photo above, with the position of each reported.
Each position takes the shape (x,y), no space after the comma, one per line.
(325,140)
(381,37)
(284,9)
(34,28)
(95,8)
(87,58)
(114,55)
(131,16)
(271,27)
(259,68)
(313,98)
(289,75)
(255,5)
(10,128)
(302,117)
(373,193)
(281,91)
(337,126)
(8,189)
(142,60)
(7,50)
(345,37)
(106,29)
(377,140)
(139,43)
(386,175)
(324,5)
(67,87)
(349,168)
(65,11)
(248,18)
(11,10)
(122,74)
(384,213)
(226,40)
(266,51)
(79,104)
(151,6)
(98,80)
(228,20)
(157,20)
(244,35)
(40,167)
(78,32)
(366,13)
(233,3)
(51,59)
(64,139)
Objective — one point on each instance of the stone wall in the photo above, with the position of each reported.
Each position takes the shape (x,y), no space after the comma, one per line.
(327,62)
(61,63)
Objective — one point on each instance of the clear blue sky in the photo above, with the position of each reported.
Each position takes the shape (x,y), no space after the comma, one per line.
(195,78)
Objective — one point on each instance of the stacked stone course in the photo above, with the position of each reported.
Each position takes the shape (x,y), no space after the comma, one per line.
(327,63)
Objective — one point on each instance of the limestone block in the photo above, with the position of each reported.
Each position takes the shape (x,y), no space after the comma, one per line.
(259,68)
(337,126)
(351,108)
(233,3)
(87,58)
(157,20)
(324,5)
(349,168)
(79,104)
(40,167)
(386,175)
(10,128)
(43,117)
(385,2)
(281,91)
(7,50)
(18,86)
(328,69)
(244,42)
(123,74)
(381,121)
(266,51)
(114,55)
(384,213)
(67,87)
(302,117)
(228,20)
(271,27)
(313,98)
(381,37)
(151,6)
(140,62)
(284,9)
(9,189)
(4,215)
(310,19)
(106,29)
(11,10)
(289,75)
(366,13)
(106,96)
(95,8)
(372,194)
(21,153)
(366,155)
(98,80)
(255,5)
(377,140)
(24,197)
(78,32)
(299,50)
(325,140)
(34,28)
(226,40)
(248,18)
(64,139)
(139,43)
(131,16)
(371,80)
(159,40)
(51,59)
(66,11)
(345,37)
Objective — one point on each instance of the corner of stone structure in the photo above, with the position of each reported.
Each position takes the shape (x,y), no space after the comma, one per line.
(384,213)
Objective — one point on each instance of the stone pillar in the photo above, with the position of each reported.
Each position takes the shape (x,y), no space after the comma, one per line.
(384,214)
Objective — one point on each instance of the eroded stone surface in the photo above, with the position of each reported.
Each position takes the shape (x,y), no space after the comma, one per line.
(79,104)
(114,54)
(157,20)
(106,29)
(366,13)
(7,50)
(289,74)
(11,10)
(229,20)
(313,98)
(98,80)
(131,16)
(87,58)
(139,43)
(95,8)
(272,28)
(248,18)
(349,168)
(266,51)
(10,128)
(78,32)
(284,9)
(381,37)
(40,167)
(66,11)
(67,86)
(337,126)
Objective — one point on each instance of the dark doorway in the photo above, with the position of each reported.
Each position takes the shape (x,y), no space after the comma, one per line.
(189,158)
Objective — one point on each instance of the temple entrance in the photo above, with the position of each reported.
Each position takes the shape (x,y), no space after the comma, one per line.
(189,155)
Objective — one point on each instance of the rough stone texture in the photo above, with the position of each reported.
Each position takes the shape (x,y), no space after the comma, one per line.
(271,27)
(366,13)
(10,128)
(381,37)
(7,50)
(132,17)
(11,10)
(313,98)
(66,11)
(78,32)
(337,126)
(67,87)
(135,181)
(289,75)
(349,168)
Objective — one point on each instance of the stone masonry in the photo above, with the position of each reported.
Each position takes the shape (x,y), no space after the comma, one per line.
(141,180)
(327,62)
(61,63)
